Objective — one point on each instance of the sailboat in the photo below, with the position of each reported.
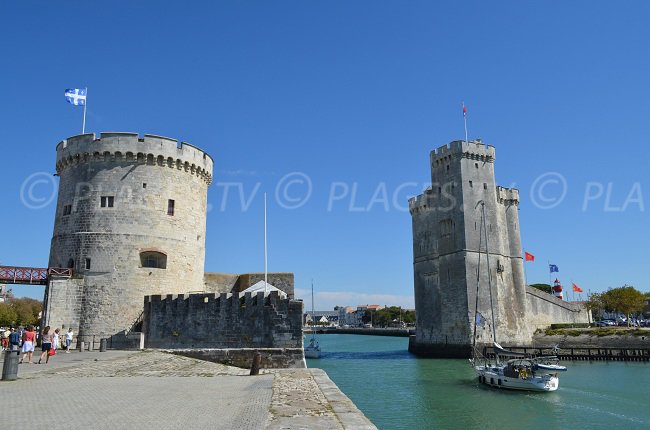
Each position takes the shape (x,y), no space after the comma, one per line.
(519,371)
(313,349)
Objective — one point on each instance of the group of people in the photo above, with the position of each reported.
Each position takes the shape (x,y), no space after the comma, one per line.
(25,340)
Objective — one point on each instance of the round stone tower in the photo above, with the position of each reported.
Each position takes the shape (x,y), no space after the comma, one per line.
(130,220)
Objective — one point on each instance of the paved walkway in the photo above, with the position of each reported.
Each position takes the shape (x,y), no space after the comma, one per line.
(154,390)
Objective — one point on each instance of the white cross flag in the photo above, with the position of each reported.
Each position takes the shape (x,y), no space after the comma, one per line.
(76,96)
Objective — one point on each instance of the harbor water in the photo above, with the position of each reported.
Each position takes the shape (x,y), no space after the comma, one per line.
(397,390)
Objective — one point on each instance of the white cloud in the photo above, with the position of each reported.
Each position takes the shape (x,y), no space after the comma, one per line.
(326,300)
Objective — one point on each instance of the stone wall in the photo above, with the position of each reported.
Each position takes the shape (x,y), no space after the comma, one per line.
(544,309)
(222,321)
(272,358)
(63,300)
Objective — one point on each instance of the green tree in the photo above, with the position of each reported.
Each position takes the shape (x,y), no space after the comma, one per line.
(27,310)
(625,299)
(8,315)
(595,304)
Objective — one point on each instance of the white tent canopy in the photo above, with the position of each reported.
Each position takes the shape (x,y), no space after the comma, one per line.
(256,288)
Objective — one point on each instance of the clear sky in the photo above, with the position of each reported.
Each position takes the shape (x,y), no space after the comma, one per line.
(332,108)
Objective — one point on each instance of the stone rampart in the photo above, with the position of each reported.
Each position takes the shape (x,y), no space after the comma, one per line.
(544,309)
(222,321)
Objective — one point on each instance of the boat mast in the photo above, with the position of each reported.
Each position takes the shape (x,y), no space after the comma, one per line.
(487,253)
(312,309)
(478,282)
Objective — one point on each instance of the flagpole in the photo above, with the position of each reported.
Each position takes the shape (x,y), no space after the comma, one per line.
(83,126)
(524,267)
(265,250)
(465,119)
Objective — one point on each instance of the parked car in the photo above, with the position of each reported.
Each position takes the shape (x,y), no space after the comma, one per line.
(605,323)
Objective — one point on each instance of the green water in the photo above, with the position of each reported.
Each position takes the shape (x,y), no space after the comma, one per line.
(396,390)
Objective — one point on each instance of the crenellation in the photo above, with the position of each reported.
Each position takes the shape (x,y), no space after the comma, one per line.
(77,149)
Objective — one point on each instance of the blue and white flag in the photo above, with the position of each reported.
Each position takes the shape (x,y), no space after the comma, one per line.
(76,96)
(553,268)
(480,321)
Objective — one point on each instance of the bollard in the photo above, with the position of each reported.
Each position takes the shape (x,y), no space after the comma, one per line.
(102,345)
(257,360)
(10,368)
(82,346)
(91,345)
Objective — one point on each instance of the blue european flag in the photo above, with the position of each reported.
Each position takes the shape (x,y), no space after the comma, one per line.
(553,268)
(76,96)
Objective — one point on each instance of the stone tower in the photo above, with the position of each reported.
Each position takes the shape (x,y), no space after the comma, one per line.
(131,221)
(446,229)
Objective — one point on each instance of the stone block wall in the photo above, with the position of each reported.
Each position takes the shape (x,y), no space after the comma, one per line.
(222,321)
(544,309)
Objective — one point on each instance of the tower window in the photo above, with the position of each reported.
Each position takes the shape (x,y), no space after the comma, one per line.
(67,210)
(153,259)
(170,207)
(107,201)
(144,185)
(87,265)
(484,186)
(470,184)
(447,167)
(71,264)
(476,165)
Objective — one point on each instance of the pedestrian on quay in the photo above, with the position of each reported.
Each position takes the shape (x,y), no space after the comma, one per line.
(68,340)
(5,339)
(56,340)
(14,340)
(46,345)
(29,339)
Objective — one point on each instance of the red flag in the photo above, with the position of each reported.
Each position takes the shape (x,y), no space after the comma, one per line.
(464,110)
(529,256)
(577,289)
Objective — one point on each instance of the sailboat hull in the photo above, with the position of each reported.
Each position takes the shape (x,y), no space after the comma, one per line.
(493,376)
(312,352)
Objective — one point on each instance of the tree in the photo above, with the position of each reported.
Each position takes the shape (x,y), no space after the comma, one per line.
(27,310)
(625,299)
(595,303)
(8,315)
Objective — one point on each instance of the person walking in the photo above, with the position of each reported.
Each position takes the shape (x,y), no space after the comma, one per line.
(5,339)
(29,339)
(14,340)
(46,345)
(56,340)
(68,340)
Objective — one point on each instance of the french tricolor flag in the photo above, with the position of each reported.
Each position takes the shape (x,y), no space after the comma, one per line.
(464,111)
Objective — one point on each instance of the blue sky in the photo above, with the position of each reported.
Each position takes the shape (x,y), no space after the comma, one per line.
(333,107)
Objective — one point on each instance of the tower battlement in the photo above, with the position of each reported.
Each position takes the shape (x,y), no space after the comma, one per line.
(475,150)
(130,147)
(508,195)
(421,202)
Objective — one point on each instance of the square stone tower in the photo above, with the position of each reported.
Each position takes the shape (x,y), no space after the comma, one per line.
(446,234)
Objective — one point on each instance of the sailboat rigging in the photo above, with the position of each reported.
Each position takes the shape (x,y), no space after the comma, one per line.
(521,371)
(313,349)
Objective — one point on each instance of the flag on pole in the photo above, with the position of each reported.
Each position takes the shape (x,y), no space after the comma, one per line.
(464,110)
(576,289)
(529,256)
(76,96)
(553,268)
